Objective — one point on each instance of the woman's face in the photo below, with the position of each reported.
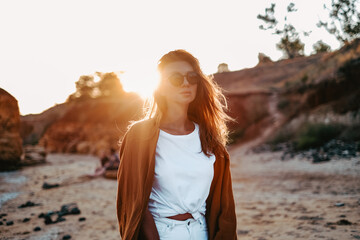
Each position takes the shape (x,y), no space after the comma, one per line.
(184,93)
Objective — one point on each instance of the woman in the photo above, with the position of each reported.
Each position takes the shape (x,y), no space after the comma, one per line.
(174,176)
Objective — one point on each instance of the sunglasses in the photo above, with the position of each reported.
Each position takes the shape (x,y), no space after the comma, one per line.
(177,79)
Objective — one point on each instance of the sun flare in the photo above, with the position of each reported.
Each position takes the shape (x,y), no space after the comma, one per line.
(141,82)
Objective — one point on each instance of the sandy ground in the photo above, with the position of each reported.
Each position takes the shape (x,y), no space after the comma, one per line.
(275,199)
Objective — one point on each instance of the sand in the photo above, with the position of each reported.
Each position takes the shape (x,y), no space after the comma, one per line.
(275,199)
(295,199)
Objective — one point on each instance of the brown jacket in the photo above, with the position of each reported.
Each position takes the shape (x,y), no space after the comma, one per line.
(135,179)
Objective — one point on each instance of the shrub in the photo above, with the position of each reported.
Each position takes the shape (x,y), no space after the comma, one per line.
(316,134)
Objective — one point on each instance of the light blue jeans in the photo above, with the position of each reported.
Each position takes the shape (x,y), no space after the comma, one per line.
(189,229)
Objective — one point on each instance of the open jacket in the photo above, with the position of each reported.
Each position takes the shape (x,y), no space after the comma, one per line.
(135,178)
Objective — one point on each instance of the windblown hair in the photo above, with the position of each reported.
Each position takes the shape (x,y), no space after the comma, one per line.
(207,109)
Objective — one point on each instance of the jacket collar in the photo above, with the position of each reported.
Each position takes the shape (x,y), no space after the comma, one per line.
(147,129)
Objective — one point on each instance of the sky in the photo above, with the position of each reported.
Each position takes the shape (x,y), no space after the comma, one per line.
(46,45)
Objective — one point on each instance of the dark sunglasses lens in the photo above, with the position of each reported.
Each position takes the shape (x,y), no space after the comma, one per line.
(193,77)
(176,79)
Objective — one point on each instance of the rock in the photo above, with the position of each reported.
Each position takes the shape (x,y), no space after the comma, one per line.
(48,186)
(85,123)
(33,155)
(36,229)
(318,157)
(4,214)
(48,219)
(1,223)
(339,204)
(343,222)
(70,208)
(82,219)
(242,232)
(10,140)
(52,217)
(8,223)
(26,219)
(33,126)
(263,59)
(334,149)
(29,204)
(65,237)
(223,67)
(60,219)
(340,222)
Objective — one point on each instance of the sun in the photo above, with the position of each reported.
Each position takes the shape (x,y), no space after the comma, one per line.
(142,82)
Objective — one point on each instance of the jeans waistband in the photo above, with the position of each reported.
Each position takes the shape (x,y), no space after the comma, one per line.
(174,222)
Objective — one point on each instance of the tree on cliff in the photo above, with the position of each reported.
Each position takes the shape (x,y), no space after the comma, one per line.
(84,89)
(290,42)
(344,20)
(109,85)
(320,47)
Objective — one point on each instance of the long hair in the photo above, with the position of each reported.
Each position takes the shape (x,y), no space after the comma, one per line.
(207,109)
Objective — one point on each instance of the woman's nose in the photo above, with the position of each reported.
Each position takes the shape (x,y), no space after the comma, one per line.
(186,82)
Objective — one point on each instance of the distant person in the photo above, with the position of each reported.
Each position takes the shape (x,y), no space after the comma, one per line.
(114,161)
(104,158)
(174,177)
(110,162)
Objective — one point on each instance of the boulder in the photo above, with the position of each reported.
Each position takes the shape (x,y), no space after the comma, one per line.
(10,140)
(33,155)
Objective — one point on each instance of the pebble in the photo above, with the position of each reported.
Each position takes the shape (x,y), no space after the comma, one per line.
(37,229)
(242,232)
(52,217)
(29,204)
(339,204)
(343,222)
(8,223)
(48,186)
(334,149)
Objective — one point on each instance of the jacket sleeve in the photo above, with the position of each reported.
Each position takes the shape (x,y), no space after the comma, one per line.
(128,205)
(120,189)
(227,218)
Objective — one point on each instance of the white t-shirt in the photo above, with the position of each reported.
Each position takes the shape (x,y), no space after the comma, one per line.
(183,175)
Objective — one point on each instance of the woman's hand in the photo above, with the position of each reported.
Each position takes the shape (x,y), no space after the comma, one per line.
(148,230)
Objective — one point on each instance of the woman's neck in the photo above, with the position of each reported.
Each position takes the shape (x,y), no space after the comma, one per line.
(176,120)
